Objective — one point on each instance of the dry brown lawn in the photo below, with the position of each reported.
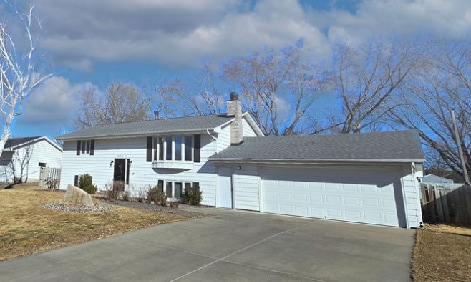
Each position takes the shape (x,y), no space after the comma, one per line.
(442,253)
(26,228)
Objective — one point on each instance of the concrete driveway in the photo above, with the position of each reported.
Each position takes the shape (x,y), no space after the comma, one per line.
(229,246)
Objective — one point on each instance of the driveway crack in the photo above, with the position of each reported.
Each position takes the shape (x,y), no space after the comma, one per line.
(235,253)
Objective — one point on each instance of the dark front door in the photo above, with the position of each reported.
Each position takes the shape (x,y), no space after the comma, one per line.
(120,170)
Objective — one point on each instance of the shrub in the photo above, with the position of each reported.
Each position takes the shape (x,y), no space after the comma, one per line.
(85,183)
(141,196)
(157,195)
(112,191)
(193,196)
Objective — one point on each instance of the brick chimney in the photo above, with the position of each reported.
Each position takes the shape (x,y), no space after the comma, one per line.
(234,108)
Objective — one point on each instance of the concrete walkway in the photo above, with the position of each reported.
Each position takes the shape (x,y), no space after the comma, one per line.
(229,246)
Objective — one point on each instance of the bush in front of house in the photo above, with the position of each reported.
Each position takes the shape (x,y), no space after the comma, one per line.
(157,195)
(193,196)
(85,183)
(113,190)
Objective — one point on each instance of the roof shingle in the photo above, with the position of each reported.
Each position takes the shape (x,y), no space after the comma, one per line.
(183,124)
(397,146)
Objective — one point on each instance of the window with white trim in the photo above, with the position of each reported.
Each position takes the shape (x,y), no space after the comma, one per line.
(173,148)
(175,189)
(85,147)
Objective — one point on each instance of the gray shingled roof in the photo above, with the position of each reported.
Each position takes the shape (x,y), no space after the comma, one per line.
(399,146)
(184,124)
(12,142)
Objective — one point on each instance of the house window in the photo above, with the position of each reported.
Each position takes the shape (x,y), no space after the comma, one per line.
(169,148)
(188,148)
(85,147)
(178,148)
(176,189)
(174,148)
(169,189)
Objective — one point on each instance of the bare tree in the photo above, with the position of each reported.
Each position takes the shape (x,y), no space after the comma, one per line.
(278,87)
(443,85)
(209,99)
(164,97)
(121,103)
(19,71)
(19,164)
(366,80)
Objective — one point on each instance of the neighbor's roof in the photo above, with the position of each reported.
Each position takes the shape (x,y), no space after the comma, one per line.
(175,125)
(397,146)
(13,143)
(431,178)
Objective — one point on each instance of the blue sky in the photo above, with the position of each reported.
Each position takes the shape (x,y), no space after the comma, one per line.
(92,43)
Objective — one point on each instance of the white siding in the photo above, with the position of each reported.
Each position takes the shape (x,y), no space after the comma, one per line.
(246,188)
(141,173)
(248,130)
(42,151)
(223,138)
(411,193)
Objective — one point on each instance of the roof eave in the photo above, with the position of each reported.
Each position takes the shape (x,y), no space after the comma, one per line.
(143,134)
(314,161)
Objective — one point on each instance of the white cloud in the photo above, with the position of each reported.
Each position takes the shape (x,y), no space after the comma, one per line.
(446,19)
(52,106)
(181,33)
(170,32)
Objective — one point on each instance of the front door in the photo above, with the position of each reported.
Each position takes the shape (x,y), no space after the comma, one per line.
(224,188)
(121,170)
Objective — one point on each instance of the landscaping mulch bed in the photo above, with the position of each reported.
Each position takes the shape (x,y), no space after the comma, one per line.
(155,208)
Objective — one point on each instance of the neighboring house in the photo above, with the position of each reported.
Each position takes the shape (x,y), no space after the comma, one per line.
(434,179)
(369,178)
(23,157)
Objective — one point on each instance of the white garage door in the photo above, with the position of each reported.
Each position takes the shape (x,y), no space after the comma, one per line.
(350,193)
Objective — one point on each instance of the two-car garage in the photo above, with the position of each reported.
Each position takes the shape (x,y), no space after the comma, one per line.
(356,194)
(370,178)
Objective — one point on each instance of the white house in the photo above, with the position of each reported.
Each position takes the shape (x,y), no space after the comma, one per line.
(369,178)
(23,158)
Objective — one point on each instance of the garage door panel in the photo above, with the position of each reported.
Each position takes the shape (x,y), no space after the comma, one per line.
(316,198)
(300,197)
(371,202)
(316,212)
(343,194)
(289,209)
(350,188)
(333,199)
(333,213)
(373,217)
(351,201)
(352,215)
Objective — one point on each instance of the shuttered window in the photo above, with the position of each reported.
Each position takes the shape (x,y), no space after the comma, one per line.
(79,147)
(149,148)
(197,148)
(92,147)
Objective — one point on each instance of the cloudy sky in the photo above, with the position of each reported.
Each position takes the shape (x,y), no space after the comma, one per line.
(92,43)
